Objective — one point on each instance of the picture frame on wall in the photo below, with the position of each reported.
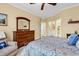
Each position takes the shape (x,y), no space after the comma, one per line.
(3,19)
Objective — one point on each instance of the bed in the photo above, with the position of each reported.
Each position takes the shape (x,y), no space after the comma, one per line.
(49,46)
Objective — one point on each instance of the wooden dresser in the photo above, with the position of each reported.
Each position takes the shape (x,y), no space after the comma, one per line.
(23,37)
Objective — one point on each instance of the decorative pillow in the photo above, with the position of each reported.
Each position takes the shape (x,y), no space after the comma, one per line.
(72,39)
(77,44)
(3,45)
(2,35)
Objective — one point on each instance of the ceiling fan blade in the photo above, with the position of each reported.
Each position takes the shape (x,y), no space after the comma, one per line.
(31,3)
(54,4)
(42,7)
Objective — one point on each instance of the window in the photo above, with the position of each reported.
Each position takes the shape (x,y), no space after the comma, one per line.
(58,27)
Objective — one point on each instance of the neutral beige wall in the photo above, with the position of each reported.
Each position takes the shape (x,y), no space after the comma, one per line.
(71,13)
(12,13)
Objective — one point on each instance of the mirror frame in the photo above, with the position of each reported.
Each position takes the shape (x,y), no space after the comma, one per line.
(17,19)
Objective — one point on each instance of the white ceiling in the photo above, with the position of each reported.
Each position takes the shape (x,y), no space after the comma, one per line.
(48,11)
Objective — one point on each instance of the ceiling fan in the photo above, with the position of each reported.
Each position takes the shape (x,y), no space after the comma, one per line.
(43,4)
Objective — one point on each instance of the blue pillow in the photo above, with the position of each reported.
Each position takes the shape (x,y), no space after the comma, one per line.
(73,38)
(3,45)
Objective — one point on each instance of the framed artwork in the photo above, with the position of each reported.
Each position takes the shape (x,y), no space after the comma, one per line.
(3,19)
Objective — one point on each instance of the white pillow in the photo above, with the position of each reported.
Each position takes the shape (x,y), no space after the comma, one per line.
(77,44)
(2,35)
(4,40)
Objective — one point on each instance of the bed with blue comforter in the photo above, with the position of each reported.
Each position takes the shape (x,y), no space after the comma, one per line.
(49,46)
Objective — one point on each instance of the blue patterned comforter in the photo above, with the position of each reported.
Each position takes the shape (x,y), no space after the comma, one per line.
(49,46)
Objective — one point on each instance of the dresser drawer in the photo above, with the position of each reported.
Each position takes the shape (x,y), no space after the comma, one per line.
(22,44)
(24,36)
(24,33)
(26,40)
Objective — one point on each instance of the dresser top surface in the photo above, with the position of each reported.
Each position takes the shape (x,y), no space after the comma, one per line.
(25,31)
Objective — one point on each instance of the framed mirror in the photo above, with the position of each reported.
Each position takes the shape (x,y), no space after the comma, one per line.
(23,24)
